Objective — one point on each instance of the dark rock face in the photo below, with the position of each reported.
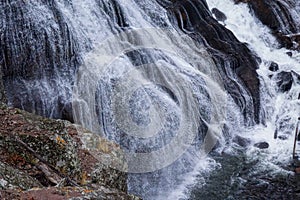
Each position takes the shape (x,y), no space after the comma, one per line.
(285,80)
(220,16)
(262,145)
(273,67)
(37,61)
(277,16)
(231,56)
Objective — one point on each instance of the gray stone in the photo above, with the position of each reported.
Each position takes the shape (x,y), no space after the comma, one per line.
(262,145)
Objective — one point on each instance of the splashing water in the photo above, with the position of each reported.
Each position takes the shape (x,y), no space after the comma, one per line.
(157,93)
(276,105)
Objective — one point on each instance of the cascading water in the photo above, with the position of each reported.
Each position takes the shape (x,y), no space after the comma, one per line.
(141,83)
(154,101)
(280,108)
(142,76)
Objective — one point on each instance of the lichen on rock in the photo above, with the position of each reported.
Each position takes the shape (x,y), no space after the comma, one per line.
(37,154)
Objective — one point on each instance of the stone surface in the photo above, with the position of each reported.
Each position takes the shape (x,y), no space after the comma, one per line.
(230,55)
(273,67)
(38,153)
(261,145)
(285,80)
(219,15)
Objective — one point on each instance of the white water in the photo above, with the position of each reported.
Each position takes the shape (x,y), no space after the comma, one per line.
(176,67)
(276,105)
(153,87)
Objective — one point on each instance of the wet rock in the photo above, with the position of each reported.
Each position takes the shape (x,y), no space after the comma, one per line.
(285,80)
(283,137)
(38,153)
(273,67)
(243,142)
(219,15)
(230,55)
(261,145)
(289,53)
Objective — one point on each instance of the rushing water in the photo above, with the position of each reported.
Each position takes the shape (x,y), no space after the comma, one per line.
(158,93)
(280,109)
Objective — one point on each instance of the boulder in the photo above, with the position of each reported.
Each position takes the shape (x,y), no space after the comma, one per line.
(289,53)
(219,15)
(261,145)
(285,80)
(37,154)
(273,67)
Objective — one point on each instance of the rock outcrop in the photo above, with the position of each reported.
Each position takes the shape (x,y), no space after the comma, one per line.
(56,159)
(233,58)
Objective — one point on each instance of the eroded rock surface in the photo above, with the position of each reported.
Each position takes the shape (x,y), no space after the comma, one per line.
(37,154)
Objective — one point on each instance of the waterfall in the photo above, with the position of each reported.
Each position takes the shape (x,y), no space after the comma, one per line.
(280,105)
(281,109)
(162,79)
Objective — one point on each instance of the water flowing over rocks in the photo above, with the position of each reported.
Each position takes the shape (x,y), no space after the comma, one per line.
(39,55)
(132,87)
(2,90)
(232,57)
(281,17)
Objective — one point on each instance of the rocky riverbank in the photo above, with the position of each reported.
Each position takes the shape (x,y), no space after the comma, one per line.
(53,159)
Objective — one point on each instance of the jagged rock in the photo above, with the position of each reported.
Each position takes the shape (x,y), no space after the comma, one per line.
(273,67)
(37,153)
(261,145)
